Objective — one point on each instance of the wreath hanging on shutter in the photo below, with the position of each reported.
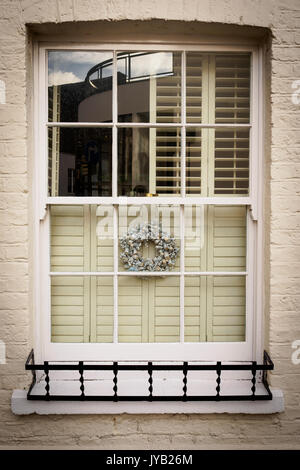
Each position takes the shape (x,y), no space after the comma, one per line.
(146,233)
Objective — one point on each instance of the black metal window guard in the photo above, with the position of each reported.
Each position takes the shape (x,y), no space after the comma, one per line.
(186,367)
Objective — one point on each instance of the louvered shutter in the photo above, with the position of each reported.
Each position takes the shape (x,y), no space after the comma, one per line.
(165,154)
(70,295)
(232,106)
(101,259)
(226,294)
(149,308)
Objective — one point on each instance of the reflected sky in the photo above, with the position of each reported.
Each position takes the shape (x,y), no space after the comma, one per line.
(73,66)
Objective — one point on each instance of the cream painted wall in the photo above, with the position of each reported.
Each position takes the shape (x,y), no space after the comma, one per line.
(94,20)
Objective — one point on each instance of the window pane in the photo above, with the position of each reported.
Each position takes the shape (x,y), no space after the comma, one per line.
(102,309)
(79,86)
(158,246)
(69,239)
(215,308)
(149,310)
(193,161)
(231,162)
(194,239)
(232,88)
(194,71)
(149,161)
(82,309)
(149,87)
(103,238)
(215,238)
(69,309)
(79,162)
(81,238)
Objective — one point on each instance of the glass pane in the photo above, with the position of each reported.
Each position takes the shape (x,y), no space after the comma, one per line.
(227,233)
(195,309)
(149,87)
(102,228)
(215,238)
(79,86)
(149,238)
(194,239)
(69,314)
(232,88)
(81,309)
(81,238)
(69,239)
(79,161)
(231,162)
(149,309)
(194,70)
(103,311)
(149,161)
(193,161)
(215,308)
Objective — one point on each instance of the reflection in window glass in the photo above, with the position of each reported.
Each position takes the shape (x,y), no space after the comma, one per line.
(231,162)
(194,70)
(149,86)
(232,101)
(193,161)
(79,161)
(79,86)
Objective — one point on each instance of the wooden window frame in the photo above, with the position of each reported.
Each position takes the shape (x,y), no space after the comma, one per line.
(252,348)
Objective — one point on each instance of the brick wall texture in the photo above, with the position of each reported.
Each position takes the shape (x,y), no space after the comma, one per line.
(18,19)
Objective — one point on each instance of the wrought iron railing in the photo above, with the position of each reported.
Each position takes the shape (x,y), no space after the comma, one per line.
(185,367)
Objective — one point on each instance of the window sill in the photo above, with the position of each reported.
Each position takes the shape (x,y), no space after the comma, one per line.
(21,406)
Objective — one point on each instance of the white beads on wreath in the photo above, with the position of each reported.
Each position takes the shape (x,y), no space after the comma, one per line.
(132,242)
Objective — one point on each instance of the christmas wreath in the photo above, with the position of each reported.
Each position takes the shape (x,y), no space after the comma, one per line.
(146,233)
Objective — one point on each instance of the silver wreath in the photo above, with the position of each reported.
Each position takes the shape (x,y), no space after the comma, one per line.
(146,233)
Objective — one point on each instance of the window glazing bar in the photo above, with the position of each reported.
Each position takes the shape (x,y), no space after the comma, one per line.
(148,273)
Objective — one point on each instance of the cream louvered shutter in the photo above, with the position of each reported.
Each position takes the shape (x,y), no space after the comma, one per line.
(82,306)
(232,106)
(70,295)
(226,251)
(165,153)
(148,308)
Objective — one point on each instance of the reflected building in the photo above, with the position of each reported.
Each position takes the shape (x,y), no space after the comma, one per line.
(80,158)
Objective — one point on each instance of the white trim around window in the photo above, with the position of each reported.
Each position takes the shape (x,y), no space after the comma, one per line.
(252,347)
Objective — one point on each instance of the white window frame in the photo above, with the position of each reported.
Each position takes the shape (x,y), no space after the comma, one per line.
(252,348)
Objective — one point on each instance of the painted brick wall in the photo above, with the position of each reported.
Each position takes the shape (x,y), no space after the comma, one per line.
(282,17)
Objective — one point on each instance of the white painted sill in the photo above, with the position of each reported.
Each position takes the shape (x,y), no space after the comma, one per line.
(21,406)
